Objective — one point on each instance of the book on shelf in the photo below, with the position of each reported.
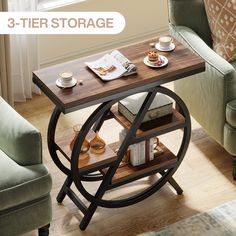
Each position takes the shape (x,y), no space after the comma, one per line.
(112,66)
(141,152)
(149,149)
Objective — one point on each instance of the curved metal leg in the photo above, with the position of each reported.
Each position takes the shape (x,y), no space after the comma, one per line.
(51,141)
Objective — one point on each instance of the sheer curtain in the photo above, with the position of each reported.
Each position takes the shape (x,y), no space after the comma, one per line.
(5,72)
(24,55)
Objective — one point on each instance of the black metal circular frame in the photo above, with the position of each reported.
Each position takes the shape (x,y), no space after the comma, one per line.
(95,122)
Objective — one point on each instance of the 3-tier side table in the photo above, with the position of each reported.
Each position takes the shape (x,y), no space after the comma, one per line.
(105,169)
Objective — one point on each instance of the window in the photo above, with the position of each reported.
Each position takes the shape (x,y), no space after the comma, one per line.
(49,4)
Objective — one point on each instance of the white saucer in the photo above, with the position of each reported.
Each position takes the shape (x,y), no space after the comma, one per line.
(63,85)
(167,49)
(146,62)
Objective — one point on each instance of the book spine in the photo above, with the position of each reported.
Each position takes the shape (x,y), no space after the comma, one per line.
(147,149)
(142,151)
(134,154)
(151,149)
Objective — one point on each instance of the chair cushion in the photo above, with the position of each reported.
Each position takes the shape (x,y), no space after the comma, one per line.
(231,113)
(21,184)
(221,16)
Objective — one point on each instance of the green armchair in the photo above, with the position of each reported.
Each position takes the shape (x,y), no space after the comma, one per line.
(211,95)
(25,183)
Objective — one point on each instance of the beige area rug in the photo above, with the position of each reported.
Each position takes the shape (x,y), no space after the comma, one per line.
(219,221)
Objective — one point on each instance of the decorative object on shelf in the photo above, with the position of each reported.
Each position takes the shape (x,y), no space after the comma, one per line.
(157,148)
(126,159)
(129,107)
(97,145)
(85,146)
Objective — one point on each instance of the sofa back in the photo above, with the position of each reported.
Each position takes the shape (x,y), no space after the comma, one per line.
(192,14)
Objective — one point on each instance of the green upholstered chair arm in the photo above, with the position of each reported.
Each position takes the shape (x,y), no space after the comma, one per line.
(194,42)
(192,14)
(18,138)
(211,90)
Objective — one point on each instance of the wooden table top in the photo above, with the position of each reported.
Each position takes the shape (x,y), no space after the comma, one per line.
(182,62)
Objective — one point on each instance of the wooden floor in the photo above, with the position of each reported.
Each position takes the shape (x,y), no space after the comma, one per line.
(204,175)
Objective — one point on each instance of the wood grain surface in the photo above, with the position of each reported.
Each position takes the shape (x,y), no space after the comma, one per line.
(182,62)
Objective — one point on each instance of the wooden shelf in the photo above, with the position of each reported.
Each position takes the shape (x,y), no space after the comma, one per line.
(94,161)
(129,173)
(152,128)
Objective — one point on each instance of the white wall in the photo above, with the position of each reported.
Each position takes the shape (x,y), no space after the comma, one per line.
(144,19)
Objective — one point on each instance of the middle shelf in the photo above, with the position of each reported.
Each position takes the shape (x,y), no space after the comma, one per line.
(152,128)
(149,129)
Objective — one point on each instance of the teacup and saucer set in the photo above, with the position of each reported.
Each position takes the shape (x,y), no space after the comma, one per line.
(66,80)
(154,59)
(165,44)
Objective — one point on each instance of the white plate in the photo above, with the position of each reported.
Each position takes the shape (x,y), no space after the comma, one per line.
(168,49)
(146,62)
(69,85)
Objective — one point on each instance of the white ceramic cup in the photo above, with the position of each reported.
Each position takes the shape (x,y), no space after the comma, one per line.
(165,41)
(66,77)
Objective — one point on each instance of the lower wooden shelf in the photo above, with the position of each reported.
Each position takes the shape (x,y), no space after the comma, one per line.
(94,161)
(124,174)
(129,173)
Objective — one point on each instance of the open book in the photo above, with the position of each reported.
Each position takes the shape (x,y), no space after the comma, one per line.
(112,66)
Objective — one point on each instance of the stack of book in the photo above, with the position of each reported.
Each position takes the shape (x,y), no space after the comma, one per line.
(142,152)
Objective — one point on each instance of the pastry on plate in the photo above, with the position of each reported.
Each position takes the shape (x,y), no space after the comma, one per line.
(154,58)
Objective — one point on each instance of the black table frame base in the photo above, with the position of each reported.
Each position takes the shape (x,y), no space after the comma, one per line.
(95,122)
